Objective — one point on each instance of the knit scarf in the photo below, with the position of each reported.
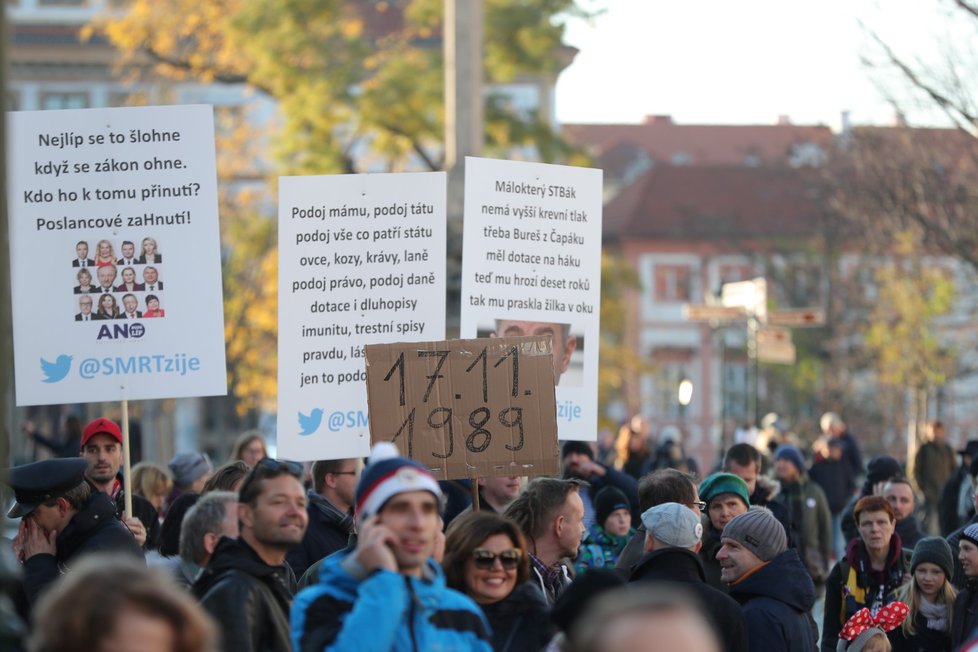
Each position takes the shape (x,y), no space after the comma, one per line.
(935,613)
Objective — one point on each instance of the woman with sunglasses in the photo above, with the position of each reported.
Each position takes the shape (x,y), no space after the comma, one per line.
(485,558)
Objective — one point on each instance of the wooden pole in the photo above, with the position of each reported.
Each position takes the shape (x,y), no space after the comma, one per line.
(126,465)
(475,494)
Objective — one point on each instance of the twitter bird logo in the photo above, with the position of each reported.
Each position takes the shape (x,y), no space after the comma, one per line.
(310,424)
(57,370)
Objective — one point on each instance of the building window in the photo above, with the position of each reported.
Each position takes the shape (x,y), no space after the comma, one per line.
(673,283)
(13,100)
(69,100)
(671,367)
(735,389)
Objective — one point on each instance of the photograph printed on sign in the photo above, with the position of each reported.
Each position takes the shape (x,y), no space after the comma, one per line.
(122,275)
(568,344)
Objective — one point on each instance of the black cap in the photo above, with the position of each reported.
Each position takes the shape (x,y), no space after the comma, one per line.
(581,447)
(42,481)
(970,449)
(882,467)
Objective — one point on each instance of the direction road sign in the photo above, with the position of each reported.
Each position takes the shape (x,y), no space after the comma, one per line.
(702,312)
(797,317)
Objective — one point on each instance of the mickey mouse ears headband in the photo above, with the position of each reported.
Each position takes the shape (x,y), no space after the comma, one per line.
(888,618)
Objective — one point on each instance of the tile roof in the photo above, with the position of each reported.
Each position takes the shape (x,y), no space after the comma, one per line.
(715,202)
(665,141)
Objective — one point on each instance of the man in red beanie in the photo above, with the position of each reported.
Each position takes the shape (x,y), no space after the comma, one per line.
(101,446)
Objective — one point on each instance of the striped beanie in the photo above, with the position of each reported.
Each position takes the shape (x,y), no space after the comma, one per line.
(758,531)
(388,474)
(971,533)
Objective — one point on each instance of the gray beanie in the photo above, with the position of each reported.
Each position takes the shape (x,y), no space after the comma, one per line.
(758,531)
(934,550)
(187,468)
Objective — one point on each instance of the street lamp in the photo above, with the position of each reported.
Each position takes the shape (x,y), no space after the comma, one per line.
(685,395)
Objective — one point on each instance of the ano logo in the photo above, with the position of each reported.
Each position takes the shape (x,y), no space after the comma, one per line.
(122,331)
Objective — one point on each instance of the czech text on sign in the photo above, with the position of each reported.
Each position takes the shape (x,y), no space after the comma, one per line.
(467,408)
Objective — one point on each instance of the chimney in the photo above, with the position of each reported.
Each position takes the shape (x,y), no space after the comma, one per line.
(658,119)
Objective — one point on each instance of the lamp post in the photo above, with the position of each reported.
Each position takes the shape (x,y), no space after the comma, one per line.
(685,396)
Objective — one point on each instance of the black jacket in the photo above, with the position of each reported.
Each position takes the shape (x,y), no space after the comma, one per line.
(621,481)
(708,557)
(249,599)
(520,621)
(765,493)
(328,531)
(965,618)
(909,531)
(925,640)
(94,528)
(953,540)
(836,480)
(948,510)
(776,599)
(841,602)
(683,567)
(147,515)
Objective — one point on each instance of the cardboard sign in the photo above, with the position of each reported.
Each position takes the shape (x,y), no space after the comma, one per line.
(532,266)
(467,408)
(361,261)
(115,254)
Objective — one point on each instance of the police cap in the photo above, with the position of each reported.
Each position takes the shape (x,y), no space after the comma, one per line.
(42,481)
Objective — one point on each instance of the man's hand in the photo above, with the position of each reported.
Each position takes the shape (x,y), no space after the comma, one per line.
(585,468)
(34,541)
(374,543)
(136,527)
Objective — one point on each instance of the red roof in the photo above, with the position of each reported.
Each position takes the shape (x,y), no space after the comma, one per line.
(666,142)
(715,202)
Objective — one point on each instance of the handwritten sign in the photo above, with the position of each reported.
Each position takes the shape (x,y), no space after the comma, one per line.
(467,408)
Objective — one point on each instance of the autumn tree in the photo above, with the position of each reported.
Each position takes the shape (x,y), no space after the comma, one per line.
(358,85)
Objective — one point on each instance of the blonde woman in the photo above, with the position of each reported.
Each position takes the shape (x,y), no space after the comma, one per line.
(930,598)
(152,482)
(150,255)
(104,254)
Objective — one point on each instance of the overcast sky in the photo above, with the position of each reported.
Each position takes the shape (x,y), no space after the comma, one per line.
(716,61)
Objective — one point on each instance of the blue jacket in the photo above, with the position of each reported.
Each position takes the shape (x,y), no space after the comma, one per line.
(385,611)
(776,599)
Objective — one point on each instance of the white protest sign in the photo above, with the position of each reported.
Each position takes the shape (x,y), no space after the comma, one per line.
(115,254)
(532,266)
(361,261)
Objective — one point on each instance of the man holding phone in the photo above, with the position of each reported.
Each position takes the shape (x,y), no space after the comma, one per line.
(388,593)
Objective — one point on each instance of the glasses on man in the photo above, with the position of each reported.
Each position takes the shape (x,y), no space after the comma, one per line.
(486,559)
(700,505)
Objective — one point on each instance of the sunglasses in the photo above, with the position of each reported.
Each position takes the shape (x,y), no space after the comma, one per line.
(269,465)
(486,559)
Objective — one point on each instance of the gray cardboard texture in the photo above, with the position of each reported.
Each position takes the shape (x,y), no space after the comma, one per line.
(467,408)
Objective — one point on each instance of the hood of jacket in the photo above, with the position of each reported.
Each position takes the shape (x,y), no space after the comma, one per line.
(669,564)
(784,579)
(765,490)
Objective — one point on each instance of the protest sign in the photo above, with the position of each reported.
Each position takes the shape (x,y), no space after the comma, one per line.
(467,408)
(361,261)
(115,254)
(532,265)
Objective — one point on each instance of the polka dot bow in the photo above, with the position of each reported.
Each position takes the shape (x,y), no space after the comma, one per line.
(889,617)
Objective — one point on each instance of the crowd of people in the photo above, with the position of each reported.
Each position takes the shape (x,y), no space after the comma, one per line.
(629,550)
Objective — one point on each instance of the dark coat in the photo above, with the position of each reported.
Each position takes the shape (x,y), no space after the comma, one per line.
(328,531)
(947,512)
(765,494)
(925,640)
(520,621)
(632,553)
(147,515)
(836,480)
(953,540)
(841,604)
(683,567)
(776,599)
(249,599)
(965,618)
(94,528)
(708,556)
(909,531)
